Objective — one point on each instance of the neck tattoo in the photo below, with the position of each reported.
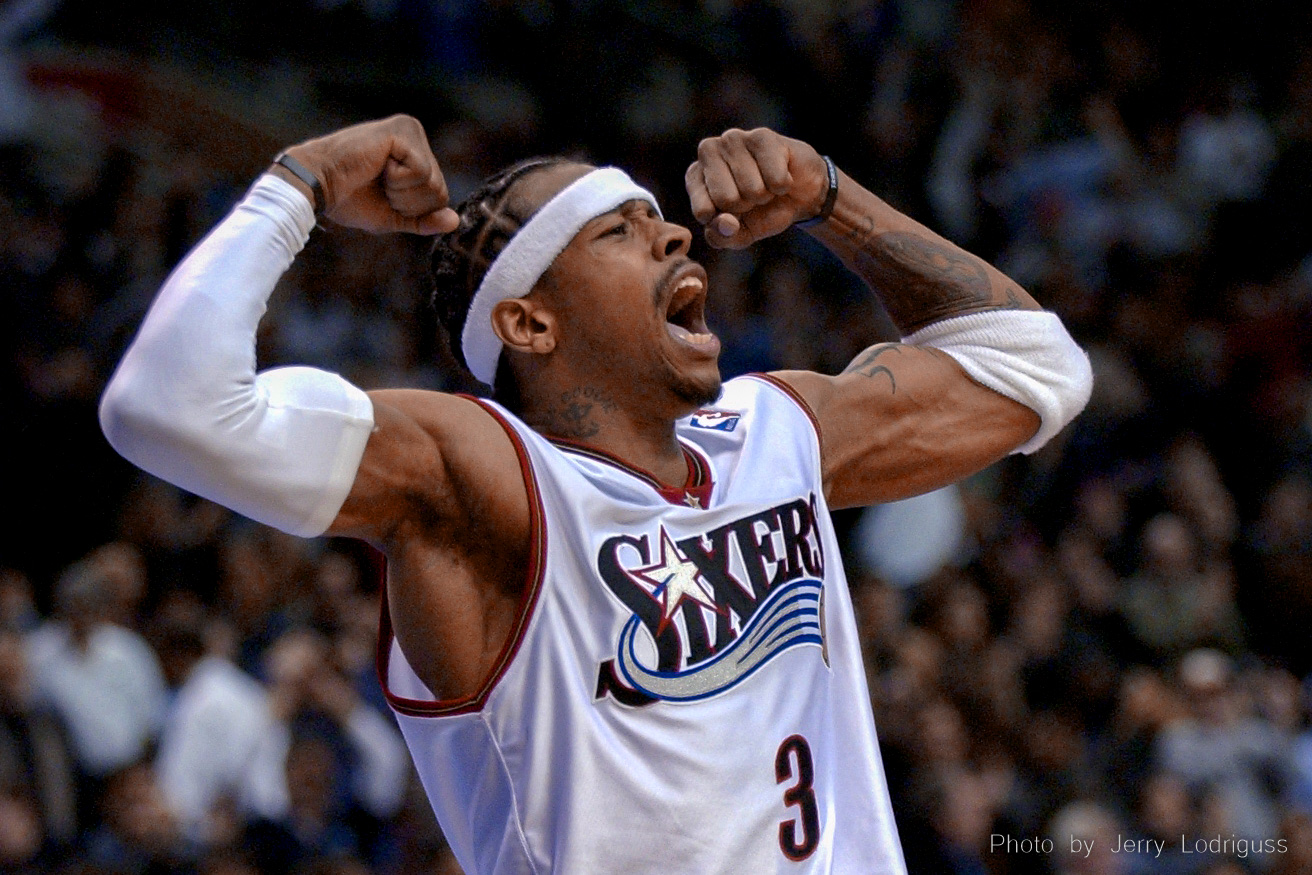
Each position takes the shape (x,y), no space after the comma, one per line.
(575,413)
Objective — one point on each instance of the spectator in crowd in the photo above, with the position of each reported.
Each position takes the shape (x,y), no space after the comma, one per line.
(38,775)
(1224,752)
(1084,838)
(17,608)
(218,720)
(1146,704)
(1166,815)
(123,573)
(103,680)
(315,827)
(22,839)
(1296,834)
(137,832)
(1177,600)
(332,770)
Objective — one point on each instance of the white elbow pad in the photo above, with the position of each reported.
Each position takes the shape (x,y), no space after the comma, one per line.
(285,455)
(1025,355)
(318,423)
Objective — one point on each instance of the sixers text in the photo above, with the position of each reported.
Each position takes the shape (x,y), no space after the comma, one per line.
(716,606)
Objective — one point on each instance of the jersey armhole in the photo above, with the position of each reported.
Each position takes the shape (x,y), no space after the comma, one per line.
(794,396)
(532,587)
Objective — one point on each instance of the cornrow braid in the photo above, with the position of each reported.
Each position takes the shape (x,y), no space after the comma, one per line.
(460,258)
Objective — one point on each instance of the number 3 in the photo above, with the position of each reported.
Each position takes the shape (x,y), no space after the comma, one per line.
(798,847)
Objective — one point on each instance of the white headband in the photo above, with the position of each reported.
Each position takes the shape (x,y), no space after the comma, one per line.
(531,251)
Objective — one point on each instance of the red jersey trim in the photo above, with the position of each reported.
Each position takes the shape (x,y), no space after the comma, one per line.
(699,485)
(532,587)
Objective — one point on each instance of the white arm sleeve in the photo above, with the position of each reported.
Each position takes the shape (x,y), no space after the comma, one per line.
(281,447)
(1025,355)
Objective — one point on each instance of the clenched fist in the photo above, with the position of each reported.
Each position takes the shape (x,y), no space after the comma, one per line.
(379,176)
(747,185)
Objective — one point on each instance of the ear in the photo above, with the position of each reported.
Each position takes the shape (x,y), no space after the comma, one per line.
(525,325)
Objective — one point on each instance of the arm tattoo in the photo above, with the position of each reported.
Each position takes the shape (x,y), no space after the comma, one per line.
(922,279)
(575,414)
(864,363)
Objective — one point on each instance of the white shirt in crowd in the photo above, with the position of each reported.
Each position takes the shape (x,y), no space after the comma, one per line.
(111,694)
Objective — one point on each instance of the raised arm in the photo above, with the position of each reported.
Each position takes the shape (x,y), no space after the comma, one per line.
(982,371)
(284,446)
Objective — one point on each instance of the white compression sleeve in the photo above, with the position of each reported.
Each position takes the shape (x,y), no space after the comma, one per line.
(186,404)
(1026,355)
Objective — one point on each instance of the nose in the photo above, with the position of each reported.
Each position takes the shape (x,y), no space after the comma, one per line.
(670,240)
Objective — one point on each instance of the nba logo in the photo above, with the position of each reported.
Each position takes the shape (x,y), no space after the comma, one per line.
(716,420)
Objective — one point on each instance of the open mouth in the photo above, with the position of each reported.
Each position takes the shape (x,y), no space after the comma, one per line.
(685,316)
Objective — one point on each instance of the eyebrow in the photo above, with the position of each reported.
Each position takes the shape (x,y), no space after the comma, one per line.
(634,203)
(624,209)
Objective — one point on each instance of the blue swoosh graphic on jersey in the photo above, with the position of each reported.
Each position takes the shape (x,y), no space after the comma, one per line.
(789,617)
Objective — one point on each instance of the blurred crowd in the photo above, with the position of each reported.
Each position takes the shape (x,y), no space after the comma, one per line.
(1106,641)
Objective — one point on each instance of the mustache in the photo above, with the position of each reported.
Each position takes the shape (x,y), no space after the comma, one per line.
(666,278)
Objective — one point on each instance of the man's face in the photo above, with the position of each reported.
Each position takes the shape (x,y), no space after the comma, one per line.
(631,305)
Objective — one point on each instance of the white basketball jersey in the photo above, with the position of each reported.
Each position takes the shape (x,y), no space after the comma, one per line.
(685,691)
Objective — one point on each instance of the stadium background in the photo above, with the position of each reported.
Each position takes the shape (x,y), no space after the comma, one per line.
(1108,638)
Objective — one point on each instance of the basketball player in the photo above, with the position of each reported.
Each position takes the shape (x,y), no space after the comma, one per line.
(615,632)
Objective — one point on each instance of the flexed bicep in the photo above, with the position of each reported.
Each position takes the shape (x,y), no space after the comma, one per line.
(187,405)
(903,420)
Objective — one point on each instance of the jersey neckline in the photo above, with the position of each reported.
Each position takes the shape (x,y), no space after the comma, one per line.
(695,491)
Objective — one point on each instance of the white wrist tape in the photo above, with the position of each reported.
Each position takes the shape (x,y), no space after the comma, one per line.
(1025,355)
(185,404)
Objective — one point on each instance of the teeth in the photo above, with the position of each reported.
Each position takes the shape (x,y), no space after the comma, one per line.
(688,281)
(681,333)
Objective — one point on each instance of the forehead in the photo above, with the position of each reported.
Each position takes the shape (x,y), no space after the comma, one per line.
(537,187)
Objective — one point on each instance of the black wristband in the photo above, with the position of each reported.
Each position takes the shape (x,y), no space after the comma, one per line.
(300,171)
(827,208)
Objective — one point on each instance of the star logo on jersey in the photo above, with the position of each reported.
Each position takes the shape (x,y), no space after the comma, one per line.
(711,607)
(674,580)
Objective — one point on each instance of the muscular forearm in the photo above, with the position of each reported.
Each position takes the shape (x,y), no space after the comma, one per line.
(748,185)
(941,296)
(921,277)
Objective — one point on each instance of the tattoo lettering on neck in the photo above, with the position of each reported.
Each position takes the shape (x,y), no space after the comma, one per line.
(574,415)
(864,363)
(922,279)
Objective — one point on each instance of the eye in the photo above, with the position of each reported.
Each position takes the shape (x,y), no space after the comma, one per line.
(618,230)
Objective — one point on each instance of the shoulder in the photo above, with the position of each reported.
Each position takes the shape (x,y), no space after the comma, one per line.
(440,415)
(459,433)
(759,417)
(217,687)
(46,642)
(757,389)
(766,399)
(112,642)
